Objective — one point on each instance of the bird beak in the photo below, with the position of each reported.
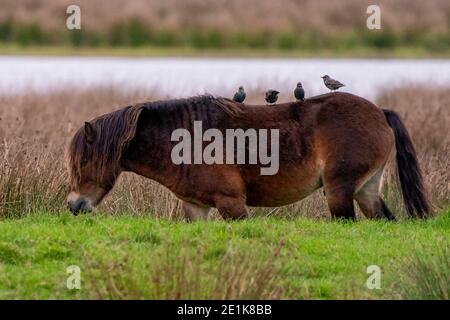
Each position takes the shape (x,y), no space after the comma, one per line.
(323,77)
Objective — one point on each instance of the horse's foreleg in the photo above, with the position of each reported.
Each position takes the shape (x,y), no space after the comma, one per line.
(194,212)
(229,193)
(340,202)
(231,207)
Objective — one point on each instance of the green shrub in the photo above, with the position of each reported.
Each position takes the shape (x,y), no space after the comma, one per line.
(436,43)
(6,30)
(76,37)
(381,39)
(165,38)
(197,39)
(287,41)
(30,34)
(215,39)
(116,37)
(259,40)
(137,33)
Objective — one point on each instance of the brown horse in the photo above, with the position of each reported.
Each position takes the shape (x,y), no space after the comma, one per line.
(338,140)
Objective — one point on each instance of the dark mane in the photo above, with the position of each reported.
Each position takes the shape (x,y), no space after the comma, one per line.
(228,106)
(115,130)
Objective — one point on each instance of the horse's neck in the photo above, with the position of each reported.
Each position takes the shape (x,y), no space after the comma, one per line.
(147,157)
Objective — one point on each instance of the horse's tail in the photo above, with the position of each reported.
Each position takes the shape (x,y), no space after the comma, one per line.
(411,181)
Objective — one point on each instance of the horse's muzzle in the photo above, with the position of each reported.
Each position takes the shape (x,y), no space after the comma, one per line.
(79,205)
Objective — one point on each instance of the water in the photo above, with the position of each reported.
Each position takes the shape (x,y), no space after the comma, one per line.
(180,77)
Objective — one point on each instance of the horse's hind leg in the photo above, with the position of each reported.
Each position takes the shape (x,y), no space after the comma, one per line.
(369,200)
(194,212)
(387,213)
(340,201)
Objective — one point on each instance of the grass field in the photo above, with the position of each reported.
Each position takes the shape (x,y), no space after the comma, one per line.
(129,257)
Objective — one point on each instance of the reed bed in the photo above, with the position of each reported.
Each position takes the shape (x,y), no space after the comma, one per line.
(35,130)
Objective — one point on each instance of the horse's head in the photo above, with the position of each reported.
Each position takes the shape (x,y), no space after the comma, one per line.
(95,154)
(90,179)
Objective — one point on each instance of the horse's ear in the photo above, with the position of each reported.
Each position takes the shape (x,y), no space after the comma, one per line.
(89,132)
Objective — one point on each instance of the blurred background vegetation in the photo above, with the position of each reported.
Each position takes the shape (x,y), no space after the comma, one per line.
(411,27)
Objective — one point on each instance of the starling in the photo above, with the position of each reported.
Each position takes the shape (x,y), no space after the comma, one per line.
(240,95)
(299,92)
(331,84)
(272,96)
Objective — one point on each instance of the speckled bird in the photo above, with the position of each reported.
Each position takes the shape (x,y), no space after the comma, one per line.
(240,95)
(332,84)
(271,96)
(299,92)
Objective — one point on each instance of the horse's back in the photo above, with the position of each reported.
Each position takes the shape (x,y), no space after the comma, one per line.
(333,134)
(350,127)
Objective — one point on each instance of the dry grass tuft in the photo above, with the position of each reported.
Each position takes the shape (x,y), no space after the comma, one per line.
(181,274)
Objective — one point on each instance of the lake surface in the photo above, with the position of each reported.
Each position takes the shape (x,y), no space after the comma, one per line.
(179,77)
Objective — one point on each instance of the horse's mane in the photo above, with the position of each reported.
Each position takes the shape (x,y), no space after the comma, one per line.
(114,132)
(230,107)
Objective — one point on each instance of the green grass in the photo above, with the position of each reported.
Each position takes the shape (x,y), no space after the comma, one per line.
(135,257)
(189,51)
(136,37)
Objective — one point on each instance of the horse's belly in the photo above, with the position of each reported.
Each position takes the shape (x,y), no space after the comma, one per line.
(284,188)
